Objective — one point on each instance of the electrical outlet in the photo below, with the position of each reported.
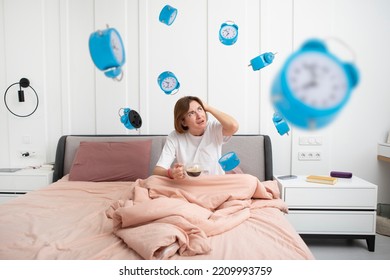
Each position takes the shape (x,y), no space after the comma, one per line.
(317,155)
(310,140)
(309,155)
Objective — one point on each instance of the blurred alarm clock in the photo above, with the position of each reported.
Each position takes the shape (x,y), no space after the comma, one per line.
(228,33)
(168,82)
(107,51)
(262,60)
(313,86)
(280,124)
(168,15)
(130,118)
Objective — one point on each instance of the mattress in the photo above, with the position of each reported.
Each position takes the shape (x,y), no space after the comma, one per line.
(73,220)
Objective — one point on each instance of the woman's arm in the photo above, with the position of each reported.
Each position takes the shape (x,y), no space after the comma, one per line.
(158,170)
(177,172)
(229,124)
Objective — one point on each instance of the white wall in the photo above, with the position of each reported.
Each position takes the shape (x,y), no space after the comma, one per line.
(350,142)
(47,42)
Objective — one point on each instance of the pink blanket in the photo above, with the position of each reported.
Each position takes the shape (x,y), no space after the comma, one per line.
(164,217)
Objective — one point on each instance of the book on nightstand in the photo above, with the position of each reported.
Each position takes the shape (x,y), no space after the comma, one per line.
(321,179)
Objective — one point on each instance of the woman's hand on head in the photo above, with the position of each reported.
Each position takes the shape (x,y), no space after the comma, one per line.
(205,106)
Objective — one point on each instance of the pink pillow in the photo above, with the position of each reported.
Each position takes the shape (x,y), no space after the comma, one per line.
(111,161)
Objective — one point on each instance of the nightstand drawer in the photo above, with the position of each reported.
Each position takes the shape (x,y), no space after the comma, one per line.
(7,196)
(24,180)
(333,222)
(330,198)
(23,183)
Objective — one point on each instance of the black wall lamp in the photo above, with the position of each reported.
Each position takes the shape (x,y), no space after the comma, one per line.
(23,83)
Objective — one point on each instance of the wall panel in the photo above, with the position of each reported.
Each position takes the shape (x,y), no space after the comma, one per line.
(132,68)
(82,98)
(4,137)
(24,51)
(111,94)
(180,48)
(233,86)
(305,13)
(277,31)
(52,76)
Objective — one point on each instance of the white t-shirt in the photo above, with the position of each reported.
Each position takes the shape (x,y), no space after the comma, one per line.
(187,148)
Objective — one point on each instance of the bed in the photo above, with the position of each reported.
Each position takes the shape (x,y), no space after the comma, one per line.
(105,204)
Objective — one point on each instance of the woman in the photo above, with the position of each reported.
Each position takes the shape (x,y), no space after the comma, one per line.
(195,138)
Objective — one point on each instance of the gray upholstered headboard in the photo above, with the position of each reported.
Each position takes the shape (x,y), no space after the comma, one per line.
(254,152)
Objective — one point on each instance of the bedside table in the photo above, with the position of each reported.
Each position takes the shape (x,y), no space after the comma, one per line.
(13,184)
(346,209)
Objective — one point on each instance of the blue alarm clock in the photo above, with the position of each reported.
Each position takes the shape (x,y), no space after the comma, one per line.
(228,33)
(107,51)
(168,82)
(229,161)
(280,124)
(262,60)
(313,86)
(168,15)
(130,118)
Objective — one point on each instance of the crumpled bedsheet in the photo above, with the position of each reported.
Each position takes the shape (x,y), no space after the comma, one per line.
(163,217)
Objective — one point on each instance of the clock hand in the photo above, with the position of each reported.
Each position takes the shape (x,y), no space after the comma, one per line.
(312,83)
(312,70)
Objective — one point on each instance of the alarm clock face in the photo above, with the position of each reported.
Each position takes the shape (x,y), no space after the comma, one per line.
(135,119)
(317,80)
(117,47)
(172,17)
(228,32)
(130,118)
(168,84)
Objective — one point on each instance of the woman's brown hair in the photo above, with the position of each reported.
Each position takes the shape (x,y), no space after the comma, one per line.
(181,109)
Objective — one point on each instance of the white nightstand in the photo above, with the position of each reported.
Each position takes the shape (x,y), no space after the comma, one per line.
(17,183)
(346,209)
